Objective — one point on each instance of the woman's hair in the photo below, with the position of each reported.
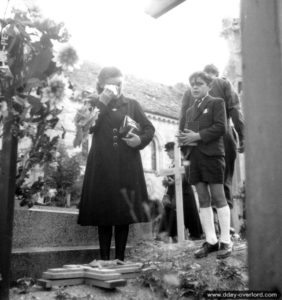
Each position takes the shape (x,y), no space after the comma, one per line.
(108,72)
(104,74)
(203,75)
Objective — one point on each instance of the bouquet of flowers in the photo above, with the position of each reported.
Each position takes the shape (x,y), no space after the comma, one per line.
(85,118)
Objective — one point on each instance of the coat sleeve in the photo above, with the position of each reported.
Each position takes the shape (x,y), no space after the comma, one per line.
(185,104)
(218,127)
(233,109)
(147,128)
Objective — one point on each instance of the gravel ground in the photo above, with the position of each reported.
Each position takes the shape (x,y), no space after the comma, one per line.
(170,271)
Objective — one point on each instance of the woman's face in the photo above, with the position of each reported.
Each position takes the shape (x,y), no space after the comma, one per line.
(113,82)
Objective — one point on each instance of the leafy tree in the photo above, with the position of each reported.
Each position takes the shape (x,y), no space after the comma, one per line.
(32,89)
(33,85)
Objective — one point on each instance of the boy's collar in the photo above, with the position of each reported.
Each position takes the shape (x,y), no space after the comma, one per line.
(203,97)
(199,101)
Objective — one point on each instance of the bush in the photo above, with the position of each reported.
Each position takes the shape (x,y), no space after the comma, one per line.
(62,176)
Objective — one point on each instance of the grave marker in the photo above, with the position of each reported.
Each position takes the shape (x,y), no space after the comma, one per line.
(108,276)
(177,171)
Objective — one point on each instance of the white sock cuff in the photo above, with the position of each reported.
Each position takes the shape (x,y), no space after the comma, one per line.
(223,214)
(207,220)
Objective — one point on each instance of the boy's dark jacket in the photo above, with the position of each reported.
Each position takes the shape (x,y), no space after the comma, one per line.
(221,88)
(211,116)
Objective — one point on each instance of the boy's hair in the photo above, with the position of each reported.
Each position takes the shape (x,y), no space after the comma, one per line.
(211,69)
(203,75)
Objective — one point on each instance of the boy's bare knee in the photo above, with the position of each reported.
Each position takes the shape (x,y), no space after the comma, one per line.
(204,204)
(203,194)
(218,196)
(204,200)
(221,203)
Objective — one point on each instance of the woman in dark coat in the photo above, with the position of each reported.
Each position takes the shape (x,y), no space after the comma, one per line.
(114,191)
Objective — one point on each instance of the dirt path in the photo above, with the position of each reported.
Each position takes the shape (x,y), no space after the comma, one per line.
(170,272)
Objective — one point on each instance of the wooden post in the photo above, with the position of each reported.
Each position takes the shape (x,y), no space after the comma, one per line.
(179,193)
(7,193)
(68,202)
(177,171)
(262,98)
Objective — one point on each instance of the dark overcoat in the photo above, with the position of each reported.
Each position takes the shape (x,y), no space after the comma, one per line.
(114,190)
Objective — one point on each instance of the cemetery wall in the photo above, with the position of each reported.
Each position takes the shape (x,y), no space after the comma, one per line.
(49,238)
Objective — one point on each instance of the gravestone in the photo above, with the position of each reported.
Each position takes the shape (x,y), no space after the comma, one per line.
(47,238)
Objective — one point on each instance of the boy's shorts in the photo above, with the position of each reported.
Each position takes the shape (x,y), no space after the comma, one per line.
(204,168)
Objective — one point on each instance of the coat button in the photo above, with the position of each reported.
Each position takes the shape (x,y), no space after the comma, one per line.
(115,138)
(115,131)
(115,145)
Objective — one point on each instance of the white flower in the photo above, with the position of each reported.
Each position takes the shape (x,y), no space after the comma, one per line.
(52,192)
(51,133)
(66,57)
(95,113)
(55,91)
(4,109)
(31,129)
(53,164)
(34,34)
(49,117)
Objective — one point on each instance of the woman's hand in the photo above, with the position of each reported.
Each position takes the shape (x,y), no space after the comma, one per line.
(132,140)
(108,94)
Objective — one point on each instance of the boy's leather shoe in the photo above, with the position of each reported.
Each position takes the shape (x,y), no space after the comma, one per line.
(225,250)
(206,249)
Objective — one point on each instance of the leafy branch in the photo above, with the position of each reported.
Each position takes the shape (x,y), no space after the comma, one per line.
(33,85)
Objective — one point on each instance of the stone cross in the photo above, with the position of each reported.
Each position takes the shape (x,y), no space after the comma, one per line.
(177,171)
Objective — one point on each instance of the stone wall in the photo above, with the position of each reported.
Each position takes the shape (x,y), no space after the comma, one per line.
(49,238)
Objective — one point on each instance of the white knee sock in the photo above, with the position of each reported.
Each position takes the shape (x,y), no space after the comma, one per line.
(223,214)
(207,220)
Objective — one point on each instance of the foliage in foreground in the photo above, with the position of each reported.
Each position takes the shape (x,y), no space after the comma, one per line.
(173,273)
(34,58)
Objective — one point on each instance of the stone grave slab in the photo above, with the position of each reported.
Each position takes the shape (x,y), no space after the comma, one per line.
(110,274)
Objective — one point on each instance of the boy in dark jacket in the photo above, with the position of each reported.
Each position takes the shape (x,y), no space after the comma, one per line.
(222,88)
(205,125)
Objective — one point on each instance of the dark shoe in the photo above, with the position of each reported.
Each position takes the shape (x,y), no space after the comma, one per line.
(225,250)
(206,249)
